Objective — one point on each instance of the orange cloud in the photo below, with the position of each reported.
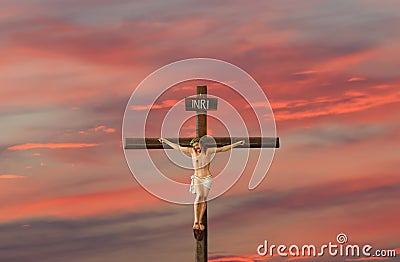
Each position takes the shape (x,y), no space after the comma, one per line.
(164,104)
(300,257)
(102,128)
(307,72)
(349,102)
(344,61)
(356,79)
(98,128)
(51,146)
(249,258)
(10,176)
(368,259)
(81,205)
(183,88)
(109,130)
(280,104)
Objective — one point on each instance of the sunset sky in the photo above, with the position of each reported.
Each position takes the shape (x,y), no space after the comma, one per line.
(330,70)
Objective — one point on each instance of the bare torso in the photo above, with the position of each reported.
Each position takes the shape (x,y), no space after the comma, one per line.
(201,164)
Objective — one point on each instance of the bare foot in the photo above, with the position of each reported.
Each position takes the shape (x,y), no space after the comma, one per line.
(202,227)
(196,230)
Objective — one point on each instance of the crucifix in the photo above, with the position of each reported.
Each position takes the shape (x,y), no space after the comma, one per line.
(201,104)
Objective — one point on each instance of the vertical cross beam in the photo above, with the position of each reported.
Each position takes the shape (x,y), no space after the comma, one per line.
(201,130)
(201,104)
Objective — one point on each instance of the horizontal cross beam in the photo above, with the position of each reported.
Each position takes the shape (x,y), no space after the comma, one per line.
(249,142)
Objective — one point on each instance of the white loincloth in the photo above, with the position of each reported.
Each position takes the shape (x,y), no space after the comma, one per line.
(206,182)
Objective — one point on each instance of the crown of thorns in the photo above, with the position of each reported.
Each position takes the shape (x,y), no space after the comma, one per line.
(194,140)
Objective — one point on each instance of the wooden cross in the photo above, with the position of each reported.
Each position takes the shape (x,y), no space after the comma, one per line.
(201,104)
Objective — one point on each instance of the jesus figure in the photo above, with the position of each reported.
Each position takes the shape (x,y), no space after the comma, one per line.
(201,152)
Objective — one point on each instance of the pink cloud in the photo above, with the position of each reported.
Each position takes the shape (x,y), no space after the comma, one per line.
(51,146)
(26,226)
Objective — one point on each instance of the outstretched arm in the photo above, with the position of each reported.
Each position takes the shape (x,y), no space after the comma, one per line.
(229,147)
(174,146)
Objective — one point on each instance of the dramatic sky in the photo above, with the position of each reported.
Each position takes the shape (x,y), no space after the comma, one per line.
(330,70)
